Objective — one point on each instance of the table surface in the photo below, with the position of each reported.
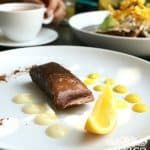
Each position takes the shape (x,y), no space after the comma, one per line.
(66,37)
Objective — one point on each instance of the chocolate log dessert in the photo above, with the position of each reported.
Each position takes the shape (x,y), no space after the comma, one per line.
(64,88)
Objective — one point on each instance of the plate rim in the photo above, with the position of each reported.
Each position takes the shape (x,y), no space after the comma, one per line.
(5,52)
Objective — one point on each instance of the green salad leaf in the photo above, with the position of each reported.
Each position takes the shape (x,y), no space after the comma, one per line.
(108,23)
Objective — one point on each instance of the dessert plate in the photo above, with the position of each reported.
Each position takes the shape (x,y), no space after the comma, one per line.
(45,36)
(21,133)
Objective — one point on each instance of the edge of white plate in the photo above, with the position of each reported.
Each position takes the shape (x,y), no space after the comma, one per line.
(74,46)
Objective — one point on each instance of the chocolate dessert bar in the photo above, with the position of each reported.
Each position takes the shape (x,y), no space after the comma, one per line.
(64,88)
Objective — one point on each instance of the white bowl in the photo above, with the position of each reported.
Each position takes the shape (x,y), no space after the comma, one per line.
(136,46)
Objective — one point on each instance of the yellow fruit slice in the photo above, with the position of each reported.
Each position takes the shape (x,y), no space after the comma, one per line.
(103,118)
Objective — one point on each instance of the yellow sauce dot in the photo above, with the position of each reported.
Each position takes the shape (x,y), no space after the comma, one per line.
(121,104)
(120,89)
(89,81)
(44,119)
(133,98)
(56,131)
(94,76)
(109,81)
(98,88)
(34,108)
(23,98)
(140,108)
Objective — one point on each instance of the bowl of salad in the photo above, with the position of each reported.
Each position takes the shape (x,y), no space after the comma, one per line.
(124,29)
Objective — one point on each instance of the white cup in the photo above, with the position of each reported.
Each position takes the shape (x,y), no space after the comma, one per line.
(22,21)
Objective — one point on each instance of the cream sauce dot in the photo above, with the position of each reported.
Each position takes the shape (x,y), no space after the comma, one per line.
(23,98)
(44,119)
(56,131)
(34,108)
(51,113)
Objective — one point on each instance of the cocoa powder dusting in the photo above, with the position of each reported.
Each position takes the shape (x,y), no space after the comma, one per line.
(16,71)
(1,121)
(3,78)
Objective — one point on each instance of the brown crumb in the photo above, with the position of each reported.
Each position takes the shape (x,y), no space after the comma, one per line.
(16,71)
(3,78)
(1,121)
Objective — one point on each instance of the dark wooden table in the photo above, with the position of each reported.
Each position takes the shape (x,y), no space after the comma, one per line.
(66,37)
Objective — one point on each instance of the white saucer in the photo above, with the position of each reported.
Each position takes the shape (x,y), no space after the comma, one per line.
(45,36)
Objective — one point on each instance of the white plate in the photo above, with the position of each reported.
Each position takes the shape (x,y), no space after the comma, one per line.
(45,36)
(137,46)
(131,71)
